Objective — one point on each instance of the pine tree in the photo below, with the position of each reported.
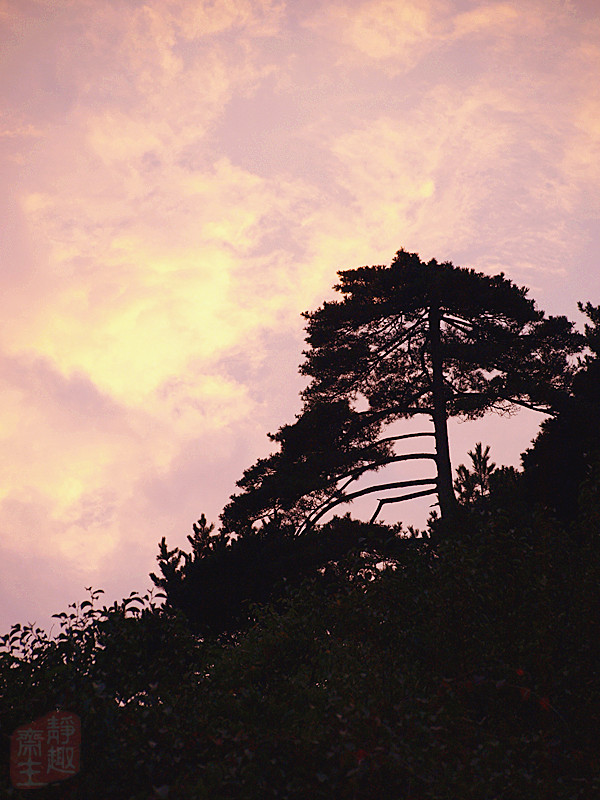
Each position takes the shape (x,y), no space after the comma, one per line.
(410,339)
(473,484)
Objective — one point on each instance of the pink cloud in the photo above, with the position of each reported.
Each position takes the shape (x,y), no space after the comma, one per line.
(182,180)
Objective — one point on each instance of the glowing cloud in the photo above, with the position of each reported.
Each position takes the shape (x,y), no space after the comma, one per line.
(183,179)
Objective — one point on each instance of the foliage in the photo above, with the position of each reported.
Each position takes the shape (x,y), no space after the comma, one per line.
(473,484)
(564,452)
(409,339)
(377,340)
(217,582)
(123,669)
(469,669)
(328,443)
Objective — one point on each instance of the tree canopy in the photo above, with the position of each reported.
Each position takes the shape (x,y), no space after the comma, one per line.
(410,339)
(571,437)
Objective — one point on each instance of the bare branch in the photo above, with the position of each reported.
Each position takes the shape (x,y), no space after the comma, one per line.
(383,353)
(369,490)
(461,324)
(404,436)
(385,461)
(399,500)
(345,486)
(354,474)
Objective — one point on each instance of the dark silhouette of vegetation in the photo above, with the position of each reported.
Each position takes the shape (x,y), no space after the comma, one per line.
(216,584)
(414,338)
(468,668)
(472,485)
(409,339)
(571,438)
(354,660)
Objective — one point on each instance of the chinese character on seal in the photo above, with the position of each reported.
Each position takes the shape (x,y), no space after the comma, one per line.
(45,750)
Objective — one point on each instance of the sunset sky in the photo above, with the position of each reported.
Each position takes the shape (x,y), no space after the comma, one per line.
(182,178)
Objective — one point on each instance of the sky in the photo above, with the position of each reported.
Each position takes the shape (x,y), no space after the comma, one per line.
(183,178)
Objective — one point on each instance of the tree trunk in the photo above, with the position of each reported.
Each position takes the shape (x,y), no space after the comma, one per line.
(446,495)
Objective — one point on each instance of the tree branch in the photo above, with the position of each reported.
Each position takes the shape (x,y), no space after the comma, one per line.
(385,352)
(355,473)
(461,325)
(399,500)
(345,486)
(369,490)
(532,407)
(404,436)
(358,471)
(404,409)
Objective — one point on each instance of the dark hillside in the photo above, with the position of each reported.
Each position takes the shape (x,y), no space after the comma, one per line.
(469,668)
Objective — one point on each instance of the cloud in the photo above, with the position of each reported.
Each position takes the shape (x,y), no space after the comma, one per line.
(499,18)
(487,145)
(394,35)
(131,299)
(397,37)
(112,343)
(19,131)
(581,162)
(412,181)
(145,226)
(255,17)
(182,179)
(76,463)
